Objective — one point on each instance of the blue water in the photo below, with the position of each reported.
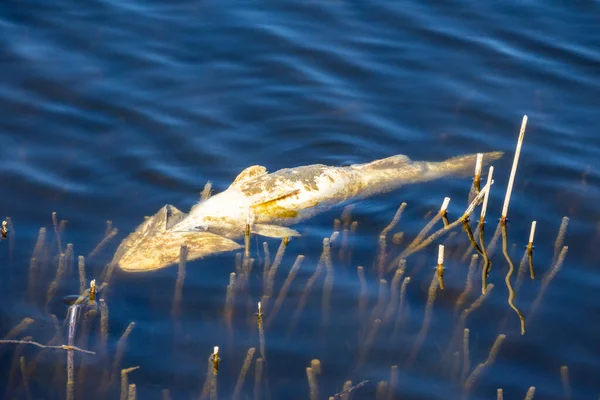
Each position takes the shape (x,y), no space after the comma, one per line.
(112,109)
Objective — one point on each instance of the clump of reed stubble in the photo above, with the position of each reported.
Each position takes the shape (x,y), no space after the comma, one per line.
(52,274)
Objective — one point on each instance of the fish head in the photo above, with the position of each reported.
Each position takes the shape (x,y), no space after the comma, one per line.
(152,246)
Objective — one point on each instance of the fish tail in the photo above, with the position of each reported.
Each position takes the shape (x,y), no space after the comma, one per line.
(460,166)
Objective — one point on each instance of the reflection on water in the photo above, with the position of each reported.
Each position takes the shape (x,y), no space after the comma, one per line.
(113,110)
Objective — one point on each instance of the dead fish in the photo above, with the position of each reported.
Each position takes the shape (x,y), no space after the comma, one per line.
(269,203)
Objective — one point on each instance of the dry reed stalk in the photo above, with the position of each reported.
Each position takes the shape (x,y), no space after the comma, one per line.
(500,395)
(312,384)
(16,365)
(382,296)
(548,278)
(345,395)
(261,333)
(393,382)
(420,237)
(399,314)
(121,344)
(81,269)
(394,292)
(284,289)
(229,300)
(362,298)
(88,319)
(132,395)
(560,238)
(381,390)
(25,378)
(468,285)
(60,271)
(486,197)
(102,244)
(426,321)
(511,267)
(440,266)
(206,192)
(470,382)
(207,381)
(382,252)
(327,285)
(487,262)
(125,381)
(177,296)
(363,351)
(258,371)
(513,171)
(36,257)
(530,393)
(308,287)
(530,250)
(413,249)
(56,232)
(266,265)
(273,269)
(69,259)
(103,328)
(245,367)
(564,376)
(346,221)
(466,359)
(43,346)
(70,355)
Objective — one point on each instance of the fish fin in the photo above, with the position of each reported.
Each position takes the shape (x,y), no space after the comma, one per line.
(173,216)
(269,206)
(385,163)
(274,231)
(249,173)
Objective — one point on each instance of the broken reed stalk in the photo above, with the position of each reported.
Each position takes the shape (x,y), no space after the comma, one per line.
(60,271)
(229,300)
(88,318)
(362,298)
(258,371)
(411,250)
(15,367)
(81,269)
(511,267)
(470,382)
(312,384)
(363,351)
(176,309)
(499,394)
(381,256)
(393,382)
(270,283)
(381,301)
(261,332)
(103,328)
(285,288)
(394,292)
(426,321)
(381,390)
(548,278)
(309,284)
(529,251)
(560,238)
(56,232)
(466,360)
(327,285)
(468,286)
(564,376)
(419,239)
(24,378)
(132,395)
(513,171)
(102,244)
(266,265)
(440,266)
(207,381)
(530,393)
(400,307)
(245,367)
(125,382)
(121,344)
(70,356)
(215,371)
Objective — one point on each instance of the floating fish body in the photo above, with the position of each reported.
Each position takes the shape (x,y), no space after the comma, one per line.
(269,203)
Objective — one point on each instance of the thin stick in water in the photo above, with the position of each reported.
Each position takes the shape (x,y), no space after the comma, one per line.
(511,179)
(245,367)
